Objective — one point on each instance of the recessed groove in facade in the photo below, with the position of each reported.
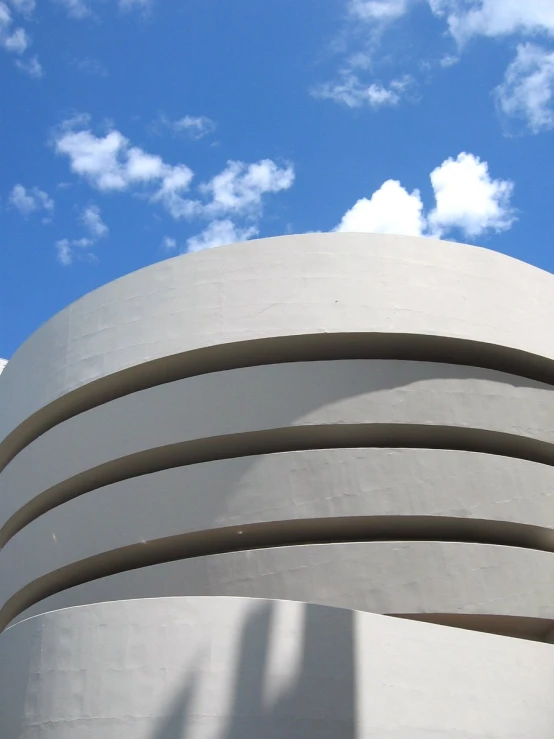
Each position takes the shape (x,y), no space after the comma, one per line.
(277,350)
(270,397)
(292,438)
(517,627)
(277,534)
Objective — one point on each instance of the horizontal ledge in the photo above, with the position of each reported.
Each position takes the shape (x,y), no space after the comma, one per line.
(272,441)
(517,627)
(277,350)
(276,534)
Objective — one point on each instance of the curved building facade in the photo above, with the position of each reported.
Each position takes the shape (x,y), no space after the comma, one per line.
(293,488)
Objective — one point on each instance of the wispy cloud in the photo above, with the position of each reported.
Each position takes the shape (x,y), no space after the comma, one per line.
(12,39)
(92,221)
(467,200)
(76,8)
(367,76)
(110,163)
(378,11)
(349,90)
(132,4)
(232,199)
(239,188)
(27,201)
(67,249)
(169,243)
(195,127)
(31,66)
(219,233)
(92,66)
(25,7)
(467,18)
(15,39)
(80,9)
(527,92)
(70,250)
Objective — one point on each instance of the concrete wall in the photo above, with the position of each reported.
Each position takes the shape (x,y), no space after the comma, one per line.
(358,421)
(230,668)
(419,577)
(344,493)
(381,397)
(354,293)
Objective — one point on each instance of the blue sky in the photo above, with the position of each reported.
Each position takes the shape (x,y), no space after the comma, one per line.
(135,130)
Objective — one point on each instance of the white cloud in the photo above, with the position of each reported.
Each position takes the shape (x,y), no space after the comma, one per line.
(196,127)
(352,92)
(361,41)
(356,82)
(110,163)
(391,209)
(130,4)
(31,66)
(239,187)
(378,10)
(466,198)
(25,7)
(91,65)
(527,91)
(95,158)
(17,42)
(92,220)
(12,40)
(218,233)
(169,243)
(28,201)
(238,190)
(3,363)
(76,8)
(467,18)
(67,248)
(80,9)
(70,249)
(174,183)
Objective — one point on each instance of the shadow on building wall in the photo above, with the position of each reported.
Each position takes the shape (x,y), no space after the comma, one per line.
(320,702)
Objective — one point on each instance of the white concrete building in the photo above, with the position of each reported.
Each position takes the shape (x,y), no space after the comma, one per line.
(234,484)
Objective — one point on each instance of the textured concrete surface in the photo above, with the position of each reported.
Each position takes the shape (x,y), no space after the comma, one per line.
(296,285)
(348,420)
(259,399)
(213,668)
(343,485)
(381,577)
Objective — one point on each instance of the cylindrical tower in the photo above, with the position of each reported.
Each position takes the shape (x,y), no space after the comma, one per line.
(233,483)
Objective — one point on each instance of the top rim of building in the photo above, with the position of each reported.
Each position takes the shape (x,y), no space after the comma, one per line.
(286,298)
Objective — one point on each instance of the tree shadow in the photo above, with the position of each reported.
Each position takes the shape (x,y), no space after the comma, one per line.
(319,699)
(174,724)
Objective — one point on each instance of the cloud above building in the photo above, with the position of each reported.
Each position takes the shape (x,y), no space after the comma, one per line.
(467,201)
